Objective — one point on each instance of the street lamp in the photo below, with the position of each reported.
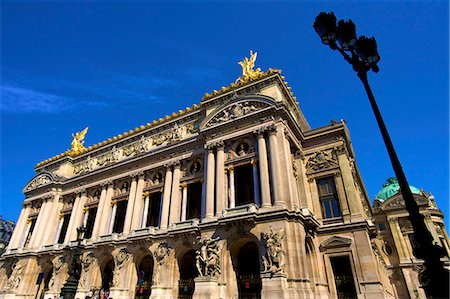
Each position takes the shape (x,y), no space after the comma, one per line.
(69,289)
(363,56)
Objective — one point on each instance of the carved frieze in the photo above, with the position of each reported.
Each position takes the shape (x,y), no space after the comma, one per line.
(16,277)
(321,160)
(39,181)
(235,111)
(161,254)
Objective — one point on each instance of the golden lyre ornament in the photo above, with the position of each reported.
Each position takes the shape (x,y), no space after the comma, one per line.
(248,73)
(78,142)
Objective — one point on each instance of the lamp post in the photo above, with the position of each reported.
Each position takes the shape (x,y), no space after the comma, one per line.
(69,289)
(362,54)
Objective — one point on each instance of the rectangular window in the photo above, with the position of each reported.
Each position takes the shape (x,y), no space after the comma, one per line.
(328,198)
(194,200)
(153,209)
(120,216)
(65,225)
(243,177)
(343,277)
(90,223)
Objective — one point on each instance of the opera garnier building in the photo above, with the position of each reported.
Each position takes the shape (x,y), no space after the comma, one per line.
(236,197)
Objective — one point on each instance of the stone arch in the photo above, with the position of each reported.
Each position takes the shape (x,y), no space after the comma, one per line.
(142,272)
(104,269)
(244,253)
(44,276)
(312,267)
(252,104)
(188,272)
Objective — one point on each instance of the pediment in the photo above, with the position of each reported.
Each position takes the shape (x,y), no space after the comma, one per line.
(39,180)
(335,242)
(236,110)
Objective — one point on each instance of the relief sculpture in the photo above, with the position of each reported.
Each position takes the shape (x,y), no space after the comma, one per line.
(207,257)
(274,259)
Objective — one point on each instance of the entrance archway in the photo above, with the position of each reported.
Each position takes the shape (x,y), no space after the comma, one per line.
(188,272)
(145,274)
(107,275)
(248,270)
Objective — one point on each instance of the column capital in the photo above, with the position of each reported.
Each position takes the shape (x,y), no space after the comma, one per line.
(113,203)
(146,193)
(80,192)
(259,132)
(230,168)
(209,147)
(254,162)
(219,145)
(85,209)
(184,185)
(272,129)
(340,149)
(61,216)
(47,197)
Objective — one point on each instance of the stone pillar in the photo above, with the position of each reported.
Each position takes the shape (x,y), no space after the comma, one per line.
(25,233)
(220,179)
(78,217)
(85,216)
(145,211)
(232,189)
(400,244)
(130,205)
(53,219)
(73,215)
(20,227)
(349,184)
(106,214)
(138,203)
(166,197)
(184,202)
(113,216)
(210,184)
(256,183)
(58,231)
(40,223)
(263,169)
(275,167)
(206,288)
(99,215)
(274,287)
(175,204)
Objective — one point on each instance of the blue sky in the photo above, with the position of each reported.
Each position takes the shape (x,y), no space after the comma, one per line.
(113,66)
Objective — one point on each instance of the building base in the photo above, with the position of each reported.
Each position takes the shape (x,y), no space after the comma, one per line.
(206,288)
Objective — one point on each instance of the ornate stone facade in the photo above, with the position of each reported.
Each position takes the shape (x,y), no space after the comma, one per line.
(235,197)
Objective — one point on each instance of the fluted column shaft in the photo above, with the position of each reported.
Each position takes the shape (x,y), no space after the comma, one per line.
(130,205)
(53,219)
(175,204)
(220,179)
(78,217)
(184,202)
(145,211)
(275,167)
(99,214)
(73,215)
(58,231)
(112,219)
(263,170)
(106,214)
(232,203)
(166,198)
(40,223)
(25,233)
(138,203)
(256,183)
(20,227)
(210,185)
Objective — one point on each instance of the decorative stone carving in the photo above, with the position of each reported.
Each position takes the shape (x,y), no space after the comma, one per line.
(235,111)
(335,242)
(161,253)
(207,257)
(143,145)
(40,180)
(86,263)
(58,264)
(15,278)
(321,160)
(274,259)
(120,260)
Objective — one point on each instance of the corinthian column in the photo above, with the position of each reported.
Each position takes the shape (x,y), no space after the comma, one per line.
(130,205)
(210,184)
(138,202)
(184,202)
(106,214)
(256,183)
(166,197)
(220,179)
(78,217)
(21,225)
(175,202)
(99,215)
(263,169)
(145,211)
(113,216)
(275,166)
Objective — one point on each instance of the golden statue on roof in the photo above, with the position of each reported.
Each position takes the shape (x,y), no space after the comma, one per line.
(78,142)
(248,73)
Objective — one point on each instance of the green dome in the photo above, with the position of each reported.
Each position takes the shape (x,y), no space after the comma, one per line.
(390,188)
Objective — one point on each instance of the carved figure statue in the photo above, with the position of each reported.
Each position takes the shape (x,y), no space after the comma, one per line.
(15,278)
(161,253)
(248,73)
(143,145)
(78,141)
(86,263)
(119,260)
(274,259)
(207,257)
(177,132)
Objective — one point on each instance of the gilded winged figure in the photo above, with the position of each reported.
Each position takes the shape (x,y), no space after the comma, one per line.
(248,73)
(78,141)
